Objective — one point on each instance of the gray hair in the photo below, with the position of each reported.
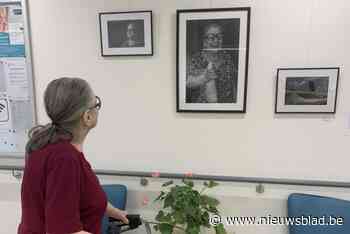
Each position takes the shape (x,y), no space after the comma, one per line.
(65,100)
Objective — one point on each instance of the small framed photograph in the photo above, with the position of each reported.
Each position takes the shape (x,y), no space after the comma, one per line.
(212,59)
(126,33)
(306,90)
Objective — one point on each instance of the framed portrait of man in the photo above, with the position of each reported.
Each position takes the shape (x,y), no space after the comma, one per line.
(126,33)
(212,59)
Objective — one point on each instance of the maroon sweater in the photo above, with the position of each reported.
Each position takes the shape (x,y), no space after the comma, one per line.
(60,193)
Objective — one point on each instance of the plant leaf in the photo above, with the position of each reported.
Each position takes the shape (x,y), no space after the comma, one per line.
(205,219)
(156,228)
(213,210)
(162,193)
(164,218)
(210,201)
(169,200)
(192,229)
(167,183)
(167,218)
(159,216)
(220,229)
(212,184)
(188,182)
(179,217)
(165,228)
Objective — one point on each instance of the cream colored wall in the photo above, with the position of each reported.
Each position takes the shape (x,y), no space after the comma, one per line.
(139,128)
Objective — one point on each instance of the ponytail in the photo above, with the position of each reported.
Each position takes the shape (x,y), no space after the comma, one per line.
(42,135)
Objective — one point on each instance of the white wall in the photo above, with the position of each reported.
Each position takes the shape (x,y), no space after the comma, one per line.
(141,130)
(138,120)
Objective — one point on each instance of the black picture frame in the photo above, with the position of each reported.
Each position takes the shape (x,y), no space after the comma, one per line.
(312,90)
(236,21)
(114,29)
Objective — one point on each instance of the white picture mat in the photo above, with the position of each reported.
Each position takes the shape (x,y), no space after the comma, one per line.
(183,18)
(332,88)
(146,16)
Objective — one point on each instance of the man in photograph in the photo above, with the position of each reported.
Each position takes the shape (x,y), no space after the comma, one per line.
(131,37)
(211,73)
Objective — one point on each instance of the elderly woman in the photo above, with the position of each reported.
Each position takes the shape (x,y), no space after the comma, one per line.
(60,192)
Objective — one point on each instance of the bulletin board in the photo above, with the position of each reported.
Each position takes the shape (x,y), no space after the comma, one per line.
(17,105)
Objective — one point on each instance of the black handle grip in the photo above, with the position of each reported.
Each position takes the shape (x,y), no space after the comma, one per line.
(134,221)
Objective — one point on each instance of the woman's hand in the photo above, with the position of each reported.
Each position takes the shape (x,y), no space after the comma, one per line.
(113,212)
(121,215)
(211,74)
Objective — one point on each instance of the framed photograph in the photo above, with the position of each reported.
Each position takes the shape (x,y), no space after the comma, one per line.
(212,59)
(126,33)
(306,90)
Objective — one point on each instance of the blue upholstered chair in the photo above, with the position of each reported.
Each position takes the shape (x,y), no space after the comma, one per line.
(116,194)
(318,206)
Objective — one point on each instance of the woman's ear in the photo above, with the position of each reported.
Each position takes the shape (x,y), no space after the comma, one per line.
(86,118)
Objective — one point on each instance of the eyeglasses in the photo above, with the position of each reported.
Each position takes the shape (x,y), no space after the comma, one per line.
(212,37)
(98,104)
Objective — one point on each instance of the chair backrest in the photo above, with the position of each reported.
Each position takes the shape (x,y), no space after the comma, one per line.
(116,194)
(314,207)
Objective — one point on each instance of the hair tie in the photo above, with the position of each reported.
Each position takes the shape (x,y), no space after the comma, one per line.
(52,131)
(54,128)
(55,124)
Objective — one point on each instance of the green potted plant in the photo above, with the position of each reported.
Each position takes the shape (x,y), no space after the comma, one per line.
(186,209)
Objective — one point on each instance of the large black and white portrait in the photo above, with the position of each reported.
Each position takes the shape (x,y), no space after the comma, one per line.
(212,60)
(126,33)
(306,90)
